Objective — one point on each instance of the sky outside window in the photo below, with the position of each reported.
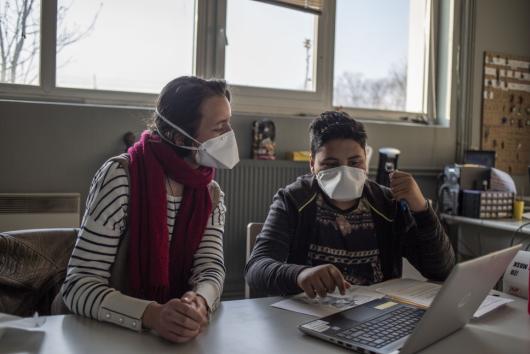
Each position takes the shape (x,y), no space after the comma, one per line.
(133,46)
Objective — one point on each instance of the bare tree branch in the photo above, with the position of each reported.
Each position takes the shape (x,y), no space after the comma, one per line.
(16,30)
(29,66)
(69,37)
(354,90)
(19,38)
(26,10)
(2,45)
(4,23)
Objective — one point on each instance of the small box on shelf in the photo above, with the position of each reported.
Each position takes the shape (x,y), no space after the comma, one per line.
(487,204)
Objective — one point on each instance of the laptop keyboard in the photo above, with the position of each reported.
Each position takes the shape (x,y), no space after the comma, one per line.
(384,329)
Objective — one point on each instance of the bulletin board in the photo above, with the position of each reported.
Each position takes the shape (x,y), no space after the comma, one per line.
(506,111)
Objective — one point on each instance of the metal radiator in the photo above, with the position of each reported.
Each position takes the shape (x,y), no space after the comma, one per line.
(249,189)
(19,211)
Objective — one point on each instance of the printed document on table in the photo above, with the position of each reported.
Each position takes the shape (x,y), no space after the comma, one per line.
(333,303)
(422,294)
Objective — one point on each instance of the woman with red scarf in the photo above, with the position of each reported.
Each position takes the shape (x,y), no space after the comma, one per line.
(149,252)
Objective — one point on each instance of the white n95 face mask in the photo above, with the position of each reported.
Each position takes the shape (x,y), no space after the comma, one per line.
(218,152)
(343,183)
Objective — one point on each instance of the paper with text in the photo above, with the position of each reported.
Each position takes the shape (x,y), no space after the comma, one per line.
(423,293)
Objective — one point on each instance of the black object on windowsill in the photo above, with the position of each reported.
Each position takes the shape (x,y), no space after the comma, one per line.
(388,159)
(416,119)
(128,139)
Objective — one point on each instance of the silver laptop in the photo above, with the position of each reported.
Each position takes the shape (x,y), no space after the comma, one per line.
(387,326)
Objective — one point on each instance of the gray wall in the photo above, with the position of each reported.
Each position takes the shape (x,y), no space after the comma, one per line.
(501,26)
(58,148)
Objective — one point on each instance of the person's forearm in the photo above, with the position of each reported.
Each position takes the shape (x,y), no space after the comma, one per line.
(435,249)
(274,277)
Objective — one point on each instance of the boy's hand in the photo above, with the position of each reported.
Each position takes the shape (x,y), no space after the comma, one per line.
(404,187)
(321,280)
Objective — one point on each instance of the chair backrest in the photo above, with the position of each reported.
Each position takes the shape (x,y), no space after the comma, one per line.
(33,268)
(253,230)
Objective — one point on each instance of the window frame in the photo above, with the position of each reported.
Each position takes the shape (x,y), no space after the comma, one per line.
(261,100)
(47,90)
(428,100)
(209,61)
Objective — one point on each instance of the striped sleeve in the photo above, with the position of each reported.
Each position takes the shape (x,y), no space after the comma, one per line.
(86,288)
(208,272)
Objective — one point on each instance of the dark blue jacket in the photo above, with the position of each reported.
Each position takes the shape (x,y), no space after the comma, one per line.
(280,252)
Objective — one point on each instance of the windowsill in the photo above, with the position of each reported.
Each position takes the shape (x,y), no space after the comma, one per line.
(303,116)
(372,171)
(400,123)
(78,104)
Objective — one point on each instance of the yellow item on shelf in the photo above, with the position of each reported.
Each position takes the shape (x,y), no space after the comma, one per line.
(298,155)
(518,208)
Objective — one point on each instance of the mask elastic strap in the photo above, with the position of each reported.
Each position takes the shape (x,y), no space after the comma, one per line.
(339,167)
(378,212)
(172,143)
(307,203)
(180,130)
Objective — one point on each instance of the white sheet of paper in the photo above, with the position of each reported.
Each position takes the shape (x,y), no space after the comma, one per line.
(501,181)
(333,303)
(423,293)
(27,323)
(489,304)
(418,292)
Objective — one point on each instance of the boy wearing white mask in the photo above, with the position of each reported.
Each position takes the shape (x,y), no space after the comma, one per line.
(334,227)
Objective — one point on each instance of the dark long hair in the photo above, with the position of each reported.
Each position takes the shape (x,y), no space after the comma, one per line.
(180,102)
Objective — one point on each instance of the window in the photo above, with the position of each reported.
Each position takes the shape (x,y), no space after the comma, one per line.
(124,45)
(381,51)
(265,53)
(20,41)
(373,58)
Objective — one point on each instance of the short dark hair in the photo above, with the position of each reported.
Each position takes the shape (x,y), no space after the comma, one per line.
(335,125)
(180,102)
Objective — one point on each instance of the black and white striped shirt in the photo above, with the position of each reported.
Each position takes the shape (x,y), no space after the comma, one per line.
(86,288)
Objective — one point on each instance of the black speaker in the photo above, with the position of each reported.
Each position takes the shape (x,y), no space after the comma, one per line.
(388,162)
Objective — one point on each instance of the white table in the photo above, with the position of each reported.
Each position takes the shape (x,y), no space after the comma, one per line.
(475,237)
(510,225)
(253,327)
